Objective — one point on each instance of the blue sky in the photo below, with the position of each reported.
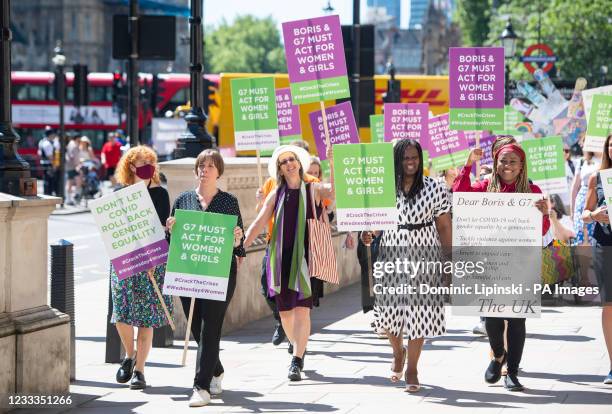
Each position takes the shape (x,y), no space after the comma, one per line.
(280,10)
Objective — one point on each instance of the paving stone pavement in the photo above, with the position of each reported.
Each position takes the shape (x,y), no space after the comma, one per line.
(347,367)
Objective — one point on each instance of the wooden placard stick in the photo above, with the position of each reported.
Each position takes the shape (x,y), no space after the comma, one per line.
(150,273)
(188,331)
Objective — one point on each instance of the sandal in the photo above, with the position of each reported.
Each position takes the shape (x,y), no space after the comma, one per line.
(412,388)
(397,375)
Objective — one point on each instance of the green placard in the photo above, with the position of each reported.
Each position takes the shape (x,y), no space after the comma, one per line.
(365,186)
(545,164)
(425,159)
(200,256)
(511,118)
(446,161)
(476,119)
(254,113)
(320,90)
(325,170)
(600,123)
(377,128)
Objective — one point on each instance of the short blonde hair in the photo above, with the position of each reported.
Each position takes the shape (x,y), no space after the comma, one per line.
(212,155)
(124,173)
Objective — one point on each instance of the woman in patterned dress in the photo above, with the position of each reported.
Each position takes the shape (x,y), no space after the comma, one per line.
(135,302)
(424,227)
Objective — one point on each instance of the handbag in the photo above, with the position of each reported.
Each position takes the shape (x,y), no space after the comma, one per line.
(322,255)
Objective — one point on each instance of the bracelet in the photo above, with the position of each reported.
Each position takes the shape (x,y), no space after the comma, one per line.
(591,216)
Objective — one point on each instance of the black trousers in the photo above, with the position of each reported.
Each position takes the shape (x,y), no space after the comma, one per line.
(516,340)
(264,290)
(206,327)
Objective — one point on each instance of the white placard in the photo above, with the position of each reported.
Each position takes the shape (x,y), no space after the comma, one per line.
(502,233)
(133,236)
(606,181)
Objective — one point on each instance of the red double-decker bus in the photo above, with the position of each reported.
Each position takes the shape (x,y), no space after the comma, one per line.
(34,106)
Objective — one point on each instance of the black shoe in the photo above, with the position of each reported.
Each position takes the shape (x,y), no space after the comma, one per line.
(290,349)
(511,383)
(279,335)
(295,369)
(138,381)
(493,372)
(126,370)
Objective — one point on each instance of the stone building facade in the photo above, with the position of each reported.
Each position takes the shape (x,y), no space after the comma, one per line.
(85,29)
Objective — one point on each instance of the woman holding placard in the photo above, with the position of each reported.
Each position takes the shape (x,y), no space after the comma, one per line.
(135,302)
(509,176)
(291,204)
(596,211)
(424,228)
(208,315)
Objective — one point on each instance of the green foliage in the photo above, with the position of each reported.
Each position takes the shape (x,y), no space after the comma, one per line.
(578,31)
(249,44)
(473,17)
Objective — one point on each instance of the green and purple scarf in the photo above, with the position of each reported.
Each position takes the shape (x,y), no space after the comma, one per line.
(299,277)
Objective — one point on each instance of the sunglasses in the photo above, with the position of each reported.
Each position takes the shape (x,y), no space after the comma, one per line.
(286,161)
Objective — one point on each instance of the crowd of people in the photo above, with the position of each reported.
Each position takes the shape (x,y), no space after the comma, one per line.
(84,171)
(296,192)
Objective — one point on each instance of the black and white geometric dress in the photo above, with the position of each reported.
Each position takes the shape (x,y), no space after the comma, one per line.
(420,315)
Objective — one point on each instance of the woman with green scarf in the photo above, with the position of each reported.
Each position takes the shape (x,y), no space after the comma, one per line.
(290,204)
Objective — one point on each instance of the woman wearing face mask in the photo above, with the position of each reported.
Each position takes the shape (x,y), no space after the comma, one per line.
(208,315)
(135,302)
(509,176)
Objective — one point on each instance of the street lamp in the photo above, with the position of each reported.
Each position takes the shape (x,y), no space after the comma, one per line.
(195,139)
(59,60)
(508,40)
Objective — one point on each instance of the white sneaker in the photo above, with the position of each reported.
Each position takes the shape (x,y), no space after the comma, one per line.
(215,385)
(199,398)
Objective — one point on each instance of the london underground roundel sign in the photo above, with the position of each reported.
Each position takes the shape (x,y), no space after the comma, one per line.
(544,55)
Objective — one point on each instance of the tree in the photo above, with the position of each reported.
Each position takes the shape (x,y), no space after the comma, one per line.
(473,17)
(578,31)
(248,44)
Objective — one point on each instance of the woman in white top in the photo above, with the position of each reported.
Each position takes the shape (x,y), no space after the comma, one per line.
(585,168)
